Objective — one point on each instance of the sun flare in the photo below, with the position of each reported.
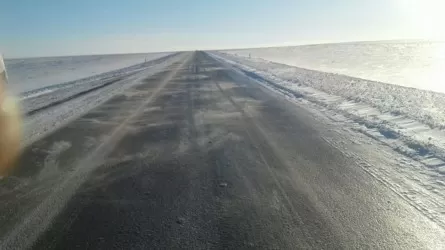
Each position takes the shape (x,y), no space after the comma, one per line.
(425,16)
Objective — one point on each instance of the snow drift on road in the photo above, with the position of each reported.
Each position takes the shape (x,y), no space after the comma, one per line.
(57,105)
(410,121)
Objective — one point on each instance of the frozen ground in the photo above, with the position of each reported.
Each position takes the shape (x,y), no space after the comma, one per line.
(56,105)
(403,126)
(410,64)
(26,75)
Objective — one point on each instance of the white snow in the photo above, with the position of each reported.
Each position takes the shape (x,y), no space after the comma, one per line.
(30,74)
(410,64)
(372,118)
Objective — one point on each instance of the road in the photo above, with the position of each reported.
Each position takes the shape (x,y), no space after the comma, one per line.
(197,158)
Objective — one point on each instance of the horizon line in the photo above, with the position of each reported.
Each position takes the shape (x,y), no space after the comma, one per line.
(409,40)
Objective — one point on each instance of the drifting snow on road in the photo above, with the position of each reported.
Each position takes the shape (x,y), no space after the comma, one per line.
(380,116)
(54,106)
(201,153)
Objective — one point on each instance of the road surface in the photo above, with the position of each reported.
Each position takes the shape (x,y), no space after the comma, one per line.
(195,157)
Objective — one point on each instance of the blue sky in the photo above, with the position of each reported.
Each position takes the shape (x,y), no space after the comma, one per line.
(62,27)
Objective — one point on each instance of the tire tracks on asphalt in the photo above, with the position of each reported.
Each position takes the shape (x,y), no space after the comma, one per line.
(255,135)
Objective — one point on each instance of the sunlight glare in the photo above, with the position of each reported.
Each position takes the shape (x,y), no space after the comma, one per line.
(425,16)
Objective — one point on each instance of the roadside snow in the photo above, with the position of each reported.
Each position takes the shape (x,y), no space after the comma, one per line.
(374,114)
(52,109)
(29,74)
(401,103)
(417,64)
(35,100)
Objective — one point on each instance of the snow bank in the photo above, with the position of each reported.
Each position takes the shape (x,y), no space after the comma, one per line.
(410,64)
(391,115)
(30,74)
(421,105)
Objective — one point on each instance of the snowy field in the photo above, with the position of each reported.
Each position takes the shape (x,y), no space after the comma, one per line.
(26,75)
(410,64)
(401,127)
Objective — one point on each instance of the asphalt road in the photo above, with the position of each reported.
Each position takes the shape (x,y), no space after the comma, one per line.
(196,157)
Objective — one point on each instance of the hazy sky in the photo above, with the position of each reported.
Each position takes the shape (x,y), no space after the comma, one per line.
(67,27)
